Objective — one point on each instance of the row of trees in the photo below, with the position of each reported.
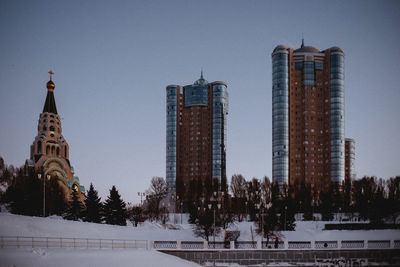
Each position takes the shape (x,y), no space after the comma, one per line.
(210,206)
(24,195)
(370,197)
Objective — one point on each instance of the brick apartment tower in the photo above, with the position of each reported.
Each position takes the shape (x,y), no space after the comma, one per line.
(350,156)
(50,151)
(308,116)
(196,135)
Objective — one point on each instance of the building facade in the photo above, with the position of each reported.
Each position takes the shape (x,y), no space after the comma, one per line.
(196,135)
(50,151)
(308,116)
(350,157)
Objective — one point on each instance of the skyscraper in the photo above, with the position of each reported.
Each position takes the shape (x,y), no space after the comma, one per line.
(50,151)
(350,150)
(196,135)
(308,116)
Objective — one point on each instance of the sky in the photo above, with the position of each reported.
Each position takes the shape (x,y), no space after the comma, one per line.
(113,59)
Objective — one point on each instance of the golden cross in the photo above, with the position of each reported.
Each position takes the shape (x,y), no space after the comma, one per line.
(51,74)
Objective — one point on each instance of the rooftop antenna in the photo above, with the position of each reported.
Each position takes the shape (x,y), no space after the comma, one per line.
(302,40)
(201,76)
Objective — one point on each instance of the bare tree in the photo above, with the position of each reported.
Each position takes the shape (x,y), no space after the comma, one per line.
(155,194)
(238,186)
(266,191)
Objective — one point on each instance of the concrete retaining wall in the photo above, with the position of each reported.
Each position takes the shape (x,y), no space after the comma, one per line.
(387,257)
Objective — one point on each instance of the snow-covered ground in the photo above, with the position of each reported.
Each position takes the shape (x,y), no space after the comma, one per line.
(313,230)
(16,225)
(88,257)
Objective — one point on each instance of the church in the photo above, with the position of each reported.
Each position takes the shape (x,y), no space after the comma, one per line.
(50,151)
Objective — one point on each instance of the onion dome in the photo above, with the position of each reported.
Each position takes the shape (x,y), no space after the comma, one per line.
(50,85)
(50,103)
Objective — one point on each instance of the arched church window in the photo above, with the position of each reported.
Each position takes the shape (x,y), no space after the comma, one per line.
(52,150)
(44,128)
(52,128)
(75,188)
(58,151)
(39,147)
(47,149)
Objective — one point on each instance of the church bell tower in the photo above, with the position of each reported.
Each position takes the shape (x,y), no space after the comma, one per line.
(50,151)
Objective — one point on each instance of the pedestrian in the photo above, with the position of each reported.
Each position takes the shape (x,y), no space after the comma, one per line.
(276,242)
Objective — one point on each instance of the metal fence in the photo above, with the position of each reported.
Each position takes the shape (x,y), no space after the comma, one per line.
(64,242)
(282,245)
(88,243)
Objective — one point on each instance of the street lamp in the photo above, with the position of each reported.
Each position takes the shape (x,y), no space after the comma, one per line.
(285,216)
(44,192)
(180,209)
(209,207)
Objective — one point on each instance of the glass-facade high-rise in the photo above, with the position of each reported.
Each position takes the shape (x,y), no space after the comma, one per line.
(280,116)
(196,135)
(308,116)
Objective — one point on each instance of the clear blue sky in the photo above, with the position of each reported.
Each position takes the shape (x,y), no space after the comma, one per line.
(113,59)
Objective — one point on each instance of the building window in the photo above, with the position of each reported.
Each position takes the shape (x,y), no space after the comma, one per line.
(39,147)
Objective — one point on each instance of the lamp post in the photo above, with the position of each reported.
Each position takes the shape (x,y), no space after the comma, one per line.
(180,209)
(44,192)
(258,205)
(285,216)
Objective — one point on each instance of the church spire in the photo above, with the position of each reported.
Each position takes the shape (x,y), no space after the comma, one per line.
(50,104)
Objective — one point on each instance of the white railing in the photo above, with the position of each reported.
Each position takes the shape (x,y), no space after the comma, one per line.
(65,242)
(89,243)
(282,245)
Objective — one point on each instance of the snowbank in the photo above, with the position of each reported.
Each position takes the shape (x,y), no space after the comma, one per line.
(84,257)
(17,225)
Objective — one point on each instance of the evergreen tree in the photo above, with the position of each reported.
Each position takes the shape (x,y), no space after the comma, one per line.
(307,204)
(193,211)
(326,207)
(74,208)
(394,196)
(25,194)
(379,207)
(205,225)
(363,195)
(270,223)
(93,206)
(287,212)
(55,198)
(115,208)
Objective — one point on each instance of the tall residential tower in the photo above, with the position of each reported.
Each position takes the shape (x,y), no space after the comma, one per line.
(308,116)
(196,135)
